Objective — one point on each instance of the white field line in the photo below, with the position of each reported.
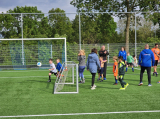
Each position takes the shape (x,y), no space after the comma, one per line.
(71,114)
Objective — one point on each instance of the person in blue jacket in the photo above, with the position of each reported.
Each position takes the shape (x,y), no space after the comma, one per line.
(145,58)
(92,65)
(123,54)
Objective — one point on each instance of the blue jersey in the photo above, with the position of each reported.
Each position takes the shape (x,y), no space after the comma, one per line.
(145,58)
(123,54)
(58,67)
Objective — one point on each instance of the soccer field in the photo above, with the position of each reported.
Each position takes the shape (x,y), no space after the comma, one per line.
(28,94)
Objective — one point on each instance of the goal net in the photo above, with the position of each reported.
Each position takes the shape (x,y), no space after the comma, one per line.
(22,54)
(67,79)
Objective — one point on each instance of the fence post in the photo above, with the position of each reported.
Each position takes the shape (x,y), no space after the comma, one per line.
(135,37)
(51,50)
(108,51)
(79,31)
(22,39)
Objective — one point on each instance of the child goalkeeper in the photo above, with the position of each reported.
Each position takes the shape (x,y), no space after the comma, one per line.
(53,69)
(121,72)
(59,66)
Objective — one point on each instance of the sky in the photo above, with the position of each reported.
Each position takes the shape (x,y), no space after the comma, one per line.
(43,5)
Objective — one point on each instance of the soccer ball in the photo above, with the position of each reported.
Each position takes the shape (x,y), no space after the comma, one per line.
(39,64)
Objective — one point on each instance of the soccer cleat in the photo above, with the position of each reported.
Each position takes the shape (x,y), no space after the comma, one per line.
(122,88)
(49,81)
(93,88)
(149,85)
(101,81)
(105,79)
(126,85)
(115,83)
(156,74)
(140,84)
(94,85)
(80,82)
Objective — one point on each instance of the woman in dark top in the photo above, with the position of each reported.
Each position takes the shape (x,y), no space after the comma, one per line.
(103,53)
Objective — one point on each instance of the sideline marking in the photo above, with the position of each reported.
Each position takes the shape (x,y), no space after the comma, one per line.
(71,114)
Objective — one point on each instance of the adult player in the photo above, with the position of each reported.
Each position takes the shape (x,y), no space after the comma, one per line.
(103,53)
(145,58)
(156,53)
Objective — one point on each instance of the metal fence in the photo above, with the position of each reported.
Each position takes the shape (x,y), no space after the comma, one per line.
(11,57)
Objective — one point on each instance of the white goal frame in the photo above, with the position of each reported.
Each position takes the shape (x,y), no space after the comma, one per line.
(22,39)
(73,79)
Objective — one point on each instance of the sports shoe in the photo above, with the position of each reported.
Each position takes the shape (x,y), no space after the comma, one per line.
(80,82)
(115,83)
(122,88)
(158,82)
(83,80)
(140,84)
(98,79)
(93,88)
(49,81)
(94,85)
(125,86)
(153,73)
(105,79)
(149,85)
(156,74)
(101,81)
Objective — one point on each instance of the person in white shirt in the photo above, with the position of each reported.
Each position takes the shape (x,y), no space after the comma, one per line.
(53,69)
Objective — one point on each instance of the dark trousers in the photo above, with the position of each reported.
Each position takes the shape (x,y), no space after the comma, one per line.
(121,81)
(105,70)
(93,78)
(148,73)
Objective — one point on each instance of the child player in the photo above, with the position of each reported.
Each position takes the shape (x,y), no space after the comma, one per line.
(129,61)
(115,69)
(121,72)
(100,73)
(53,69)
(58,67)
(135,61)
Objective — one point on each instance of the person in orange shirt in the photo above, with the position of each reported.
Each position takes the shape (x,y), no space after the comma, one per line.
(115,69)
(156,53)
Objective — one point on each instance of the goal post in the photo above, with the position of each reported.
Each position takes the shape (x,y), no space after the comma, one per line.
(67,79)
(17,56)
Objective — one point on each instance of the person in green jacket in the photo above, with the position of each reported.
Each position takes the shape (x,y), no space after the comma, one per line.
(129,62)
(121,73)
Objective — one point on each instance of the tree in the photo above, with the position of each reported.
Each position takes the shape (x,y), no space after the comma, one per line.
(127,6)
(60,23)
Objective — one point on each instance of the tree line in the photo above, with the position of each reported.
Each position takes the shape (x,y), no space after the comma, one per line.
(95,28)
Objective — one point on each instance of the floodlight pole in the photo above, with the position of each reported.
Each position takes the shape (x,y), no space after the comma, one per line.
(135,37)
(80,31)
(22,40)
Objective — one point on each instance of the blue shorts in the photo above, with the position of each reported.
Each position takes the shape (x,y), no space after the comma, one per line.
(101,70)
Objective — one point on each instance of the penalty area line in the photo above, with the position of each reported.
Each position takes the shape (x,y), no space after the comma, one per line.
(71,114)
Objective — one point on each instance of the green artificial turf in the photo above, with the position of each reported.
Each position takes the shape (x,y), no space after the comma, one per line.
(27,92)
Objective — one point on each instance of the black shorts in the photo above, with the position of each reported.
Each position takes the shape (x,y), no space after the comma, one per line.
(101,70)
(156,63)
(55,73)
(129,64)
